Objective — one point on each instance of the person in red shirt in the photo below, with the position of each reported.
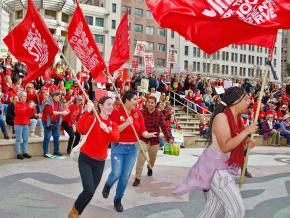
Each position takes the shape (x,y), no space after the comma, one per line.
(93,153)
(52,113)
(124,151)
(58,73)
(23,112)
(69,123)
(197,98)
(31,95)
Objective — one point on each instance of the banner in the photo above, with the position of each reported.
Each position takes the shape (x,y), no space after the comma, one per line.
(148,60)
(144,85)
(172,56)
(135,63)
(140,49)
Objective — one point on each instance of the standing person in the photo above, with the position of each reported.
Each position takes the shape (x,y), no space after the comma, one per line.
(51,119)
(11,114)
(23,112)
(93,153)
(285,128)
(124,151)
(212,172)
(69,123)
(154,120)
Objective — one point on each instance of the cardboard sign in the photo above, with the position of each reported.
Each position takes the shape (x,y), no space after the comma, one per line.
(220,90)
(148,60)
(157,95)
(140,49)
(228,84)
(135,63)
(144,85)
(172,56)
(149,70)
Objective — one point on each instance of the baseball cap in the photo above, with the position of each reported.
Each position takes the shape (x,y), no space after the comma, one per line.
(79,98)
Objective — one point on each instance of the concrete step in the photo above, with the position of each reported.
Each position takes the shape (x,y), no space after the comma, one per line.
(192,127)
(192,122)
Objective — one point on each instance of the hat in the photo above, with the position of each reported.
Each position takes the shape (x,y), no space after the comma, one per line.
(286,116)
(22,94)
(56,93)
(79,98)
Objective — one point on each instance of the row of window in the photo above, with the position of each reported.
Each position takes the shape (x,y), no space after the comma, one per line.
(138,28)
(161,47)
(138,12)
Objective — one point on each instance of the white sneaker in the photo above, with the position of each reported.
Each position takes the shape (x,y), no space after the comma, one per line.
(32,134)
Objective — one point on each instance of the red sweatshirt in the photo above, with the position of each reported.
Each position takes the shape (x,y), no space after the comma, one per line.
(23,113)
(96,144)
(127,135)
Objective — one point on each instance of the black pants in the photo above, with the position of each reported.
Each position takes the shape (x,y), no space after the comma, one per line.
(74,137)
(91,172)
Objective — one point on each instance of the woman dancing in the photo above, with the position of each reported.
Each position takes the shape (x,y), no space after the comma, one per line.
(214,170)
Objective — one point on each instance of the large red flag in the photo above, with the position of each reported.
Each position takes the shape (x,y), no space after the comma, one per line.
(31,42)
(214,24)
(121,50)
(83,44)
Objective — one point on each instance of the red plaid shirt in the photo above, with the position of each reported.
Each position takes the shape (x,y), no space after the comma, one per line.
(153,121)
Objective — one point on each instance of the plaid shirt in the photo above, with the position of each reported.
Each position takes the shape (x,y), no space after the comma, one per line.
(153,121)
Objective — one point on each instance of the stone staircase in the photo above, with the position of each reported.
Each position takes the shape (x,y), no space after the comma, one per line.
(189,126)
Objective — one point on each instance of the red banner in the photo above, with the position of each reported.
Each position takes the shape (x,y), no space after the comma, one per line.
(83,44)
(32,43)
(214,24)
(121,50)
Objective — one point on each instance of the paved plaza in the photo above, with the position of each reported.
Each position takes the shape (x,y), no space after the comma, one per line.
(40,188)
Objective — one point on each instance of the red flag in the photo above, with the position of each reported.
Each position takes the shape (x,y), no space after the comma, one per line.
(121,50)
(101,78)
(126,75)
(32,43)
(214,24)
(83,44)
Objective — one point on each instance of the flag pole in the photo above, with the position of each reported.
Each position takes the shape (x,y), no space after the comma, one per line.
(79,84)
(134,130)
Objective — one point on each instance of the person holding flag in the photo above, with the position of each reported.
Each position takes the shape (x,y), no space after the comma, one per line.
(214,170)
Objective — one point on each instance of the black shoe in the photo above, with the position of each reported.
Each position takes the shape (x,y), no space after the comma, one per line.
(149,172)
(26,155)
(136,182)
(68,151)
(118,205)
(57,153)
(20,157)
(6,137)
(106,191)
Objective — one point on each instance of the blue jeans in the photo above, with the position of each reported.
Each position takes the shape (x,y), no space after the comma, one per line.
(3,125)
(21,133)
(55,132)
(123,158)
(286,135)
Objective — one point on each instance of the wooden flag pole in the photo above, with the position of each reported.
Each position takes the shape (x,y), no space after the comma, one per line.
(82,89)
(242,178)
(122,103)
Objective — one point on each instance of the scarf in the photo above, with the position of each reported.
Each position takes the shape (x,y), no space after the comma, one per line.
(237,155)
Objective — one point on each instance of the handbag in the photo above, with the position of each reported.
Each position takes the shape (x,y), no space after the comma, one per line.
(171,149)
(75,153)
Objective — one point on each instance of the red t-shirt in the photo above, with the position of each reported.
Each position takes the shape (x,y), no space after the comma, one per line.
(48,110)
(197,99)
(47,75)
(23,113)
(127,135)
(32,96)
(96,144)
(74,115)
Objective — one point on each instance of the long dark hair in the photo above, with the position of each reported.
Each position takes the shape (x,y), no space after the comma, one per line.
(101,101)
(229,98)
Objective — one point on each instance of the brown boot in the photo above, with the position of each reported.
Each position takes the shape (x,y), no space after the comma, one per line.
(73,213)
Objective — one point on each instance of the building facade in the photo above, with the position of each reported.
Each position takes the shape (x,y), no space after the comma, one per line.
(285,52)
(103,17)
(4,29)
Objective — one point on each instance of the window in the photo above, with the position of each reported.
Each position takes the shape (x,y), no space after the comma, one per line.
(125,9)
(113,24)
(160,62)
(149,14)
(198,52)
(198,67)
(186,50)
(99,22)
(186,65)
(64,17)
(138,12)
(149,30)
(150,46)
(204,67)
(99,39)
(90,20)
(194,51)
(194,66)
(172,34)
(161,47)
(50,14)
(114,8)
(138,28)
(19,14)
(112,40)
(161,32)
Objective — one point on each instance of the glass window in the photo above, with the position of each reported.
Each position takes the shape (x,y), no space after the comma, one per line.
(186,50)
(138,28)
(89,19)
(149,30)
(100,22)
(114,8)
(125,9)
(161,32)
(19,14)
(150,46)
(112,40)
(138,12)
(160,62)
(64,17)
(186,65)
(172,34)
(113,24)
(149,14)
(99,39)
(50,14)
(161,47)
